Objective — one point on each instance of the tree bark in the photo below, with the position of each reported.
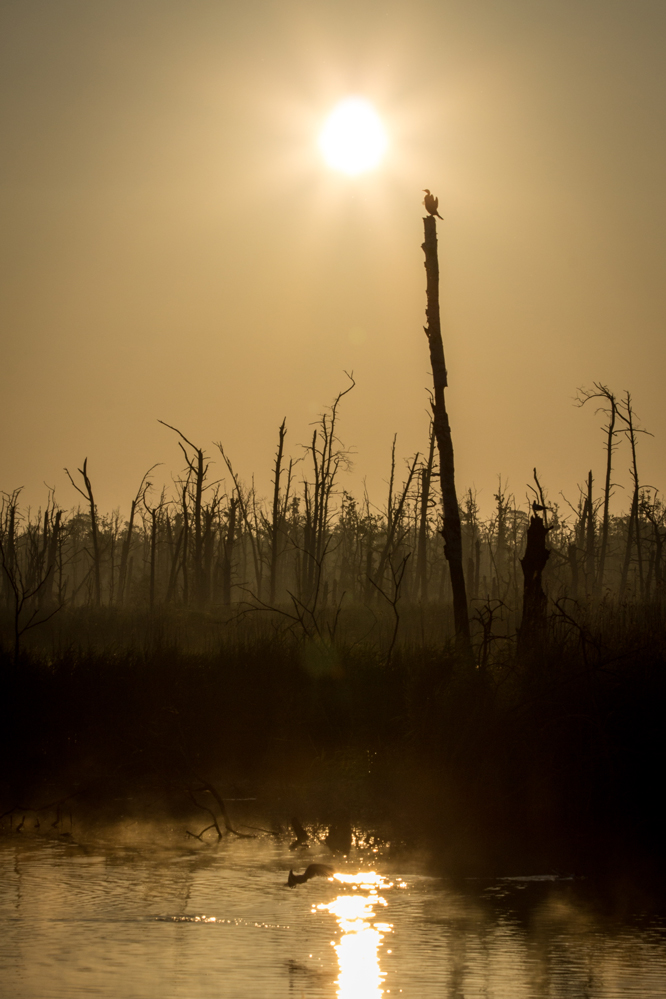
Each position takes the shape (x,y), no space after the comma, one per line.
(451,531)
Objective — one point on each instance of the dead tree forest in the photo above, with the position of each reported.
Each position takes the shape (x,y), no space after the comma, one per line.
(315,560)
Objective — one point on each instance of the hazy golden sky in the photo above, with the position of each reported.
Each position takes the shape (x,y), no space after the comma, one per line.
(175,248)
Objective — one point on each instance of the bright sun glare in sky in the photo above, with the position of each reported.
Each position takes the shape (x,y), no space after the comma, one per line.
(353,139)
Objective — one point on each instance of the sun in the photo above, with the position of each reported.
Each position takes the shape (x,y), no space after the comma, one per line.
(353,139)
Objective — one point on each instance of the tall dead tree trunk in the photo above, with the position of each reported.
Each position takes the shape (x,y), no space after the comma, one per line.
(634,518)
(197,470)
(422,541)
(55,519)
(327,458)
(127,540)
(174,549)
(533,625)
(124,552)
(276,518)
(154,513)
(210,513)
(228,551)
(186,542)
(601,391)
(242,502)
(652,513)
(610,435)
(451,531)
(94,531)
(394,519)
(590,539)
(8,537)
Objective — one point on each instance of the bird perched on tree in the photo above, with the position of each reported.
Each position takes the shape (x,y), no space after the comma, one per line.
(431,203)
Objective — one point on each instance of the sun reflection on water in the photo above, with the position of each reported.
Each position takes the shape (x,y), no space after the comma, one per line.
(360,975)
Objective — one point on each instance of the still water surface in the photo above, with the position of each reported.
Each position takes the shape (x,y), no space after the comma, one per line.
(204,922)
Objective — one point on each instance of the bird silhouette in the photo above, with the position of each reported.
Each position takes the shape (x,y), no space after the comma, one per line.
(431,203)
(302,836)
(313,871)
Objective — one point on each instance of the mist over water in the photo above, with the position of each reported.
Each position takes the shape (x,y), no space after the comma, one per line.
(200,921)
(450,686)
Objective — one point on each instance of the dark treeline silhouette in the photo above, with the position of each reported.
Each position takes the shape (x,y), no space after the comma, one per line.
(313,556)
(301,649)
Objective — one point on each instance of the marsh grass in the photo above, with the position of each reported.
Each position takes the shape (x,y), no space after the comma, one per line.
(300,655)
(554,759)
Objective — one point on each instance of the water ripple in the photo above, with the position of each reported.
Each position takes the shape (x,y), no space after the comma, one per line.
(132,923)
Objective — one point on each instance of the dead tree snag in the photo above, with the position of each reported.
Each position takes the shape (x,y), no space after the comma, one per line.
(533,625)
(451,531)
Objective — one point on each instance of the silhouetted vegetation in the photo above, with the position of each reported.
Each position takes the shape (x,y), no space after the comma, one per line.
(301,650)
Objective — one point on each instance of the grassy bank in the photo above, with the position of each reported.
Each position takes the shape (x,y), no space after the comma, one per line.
(553,760)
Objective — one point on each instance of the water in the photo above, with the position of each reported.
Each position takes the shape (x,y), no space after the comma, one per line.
(201,922)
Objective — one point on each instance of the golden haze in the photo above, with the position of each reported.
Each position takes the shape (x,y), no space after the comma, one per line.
(175,248)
